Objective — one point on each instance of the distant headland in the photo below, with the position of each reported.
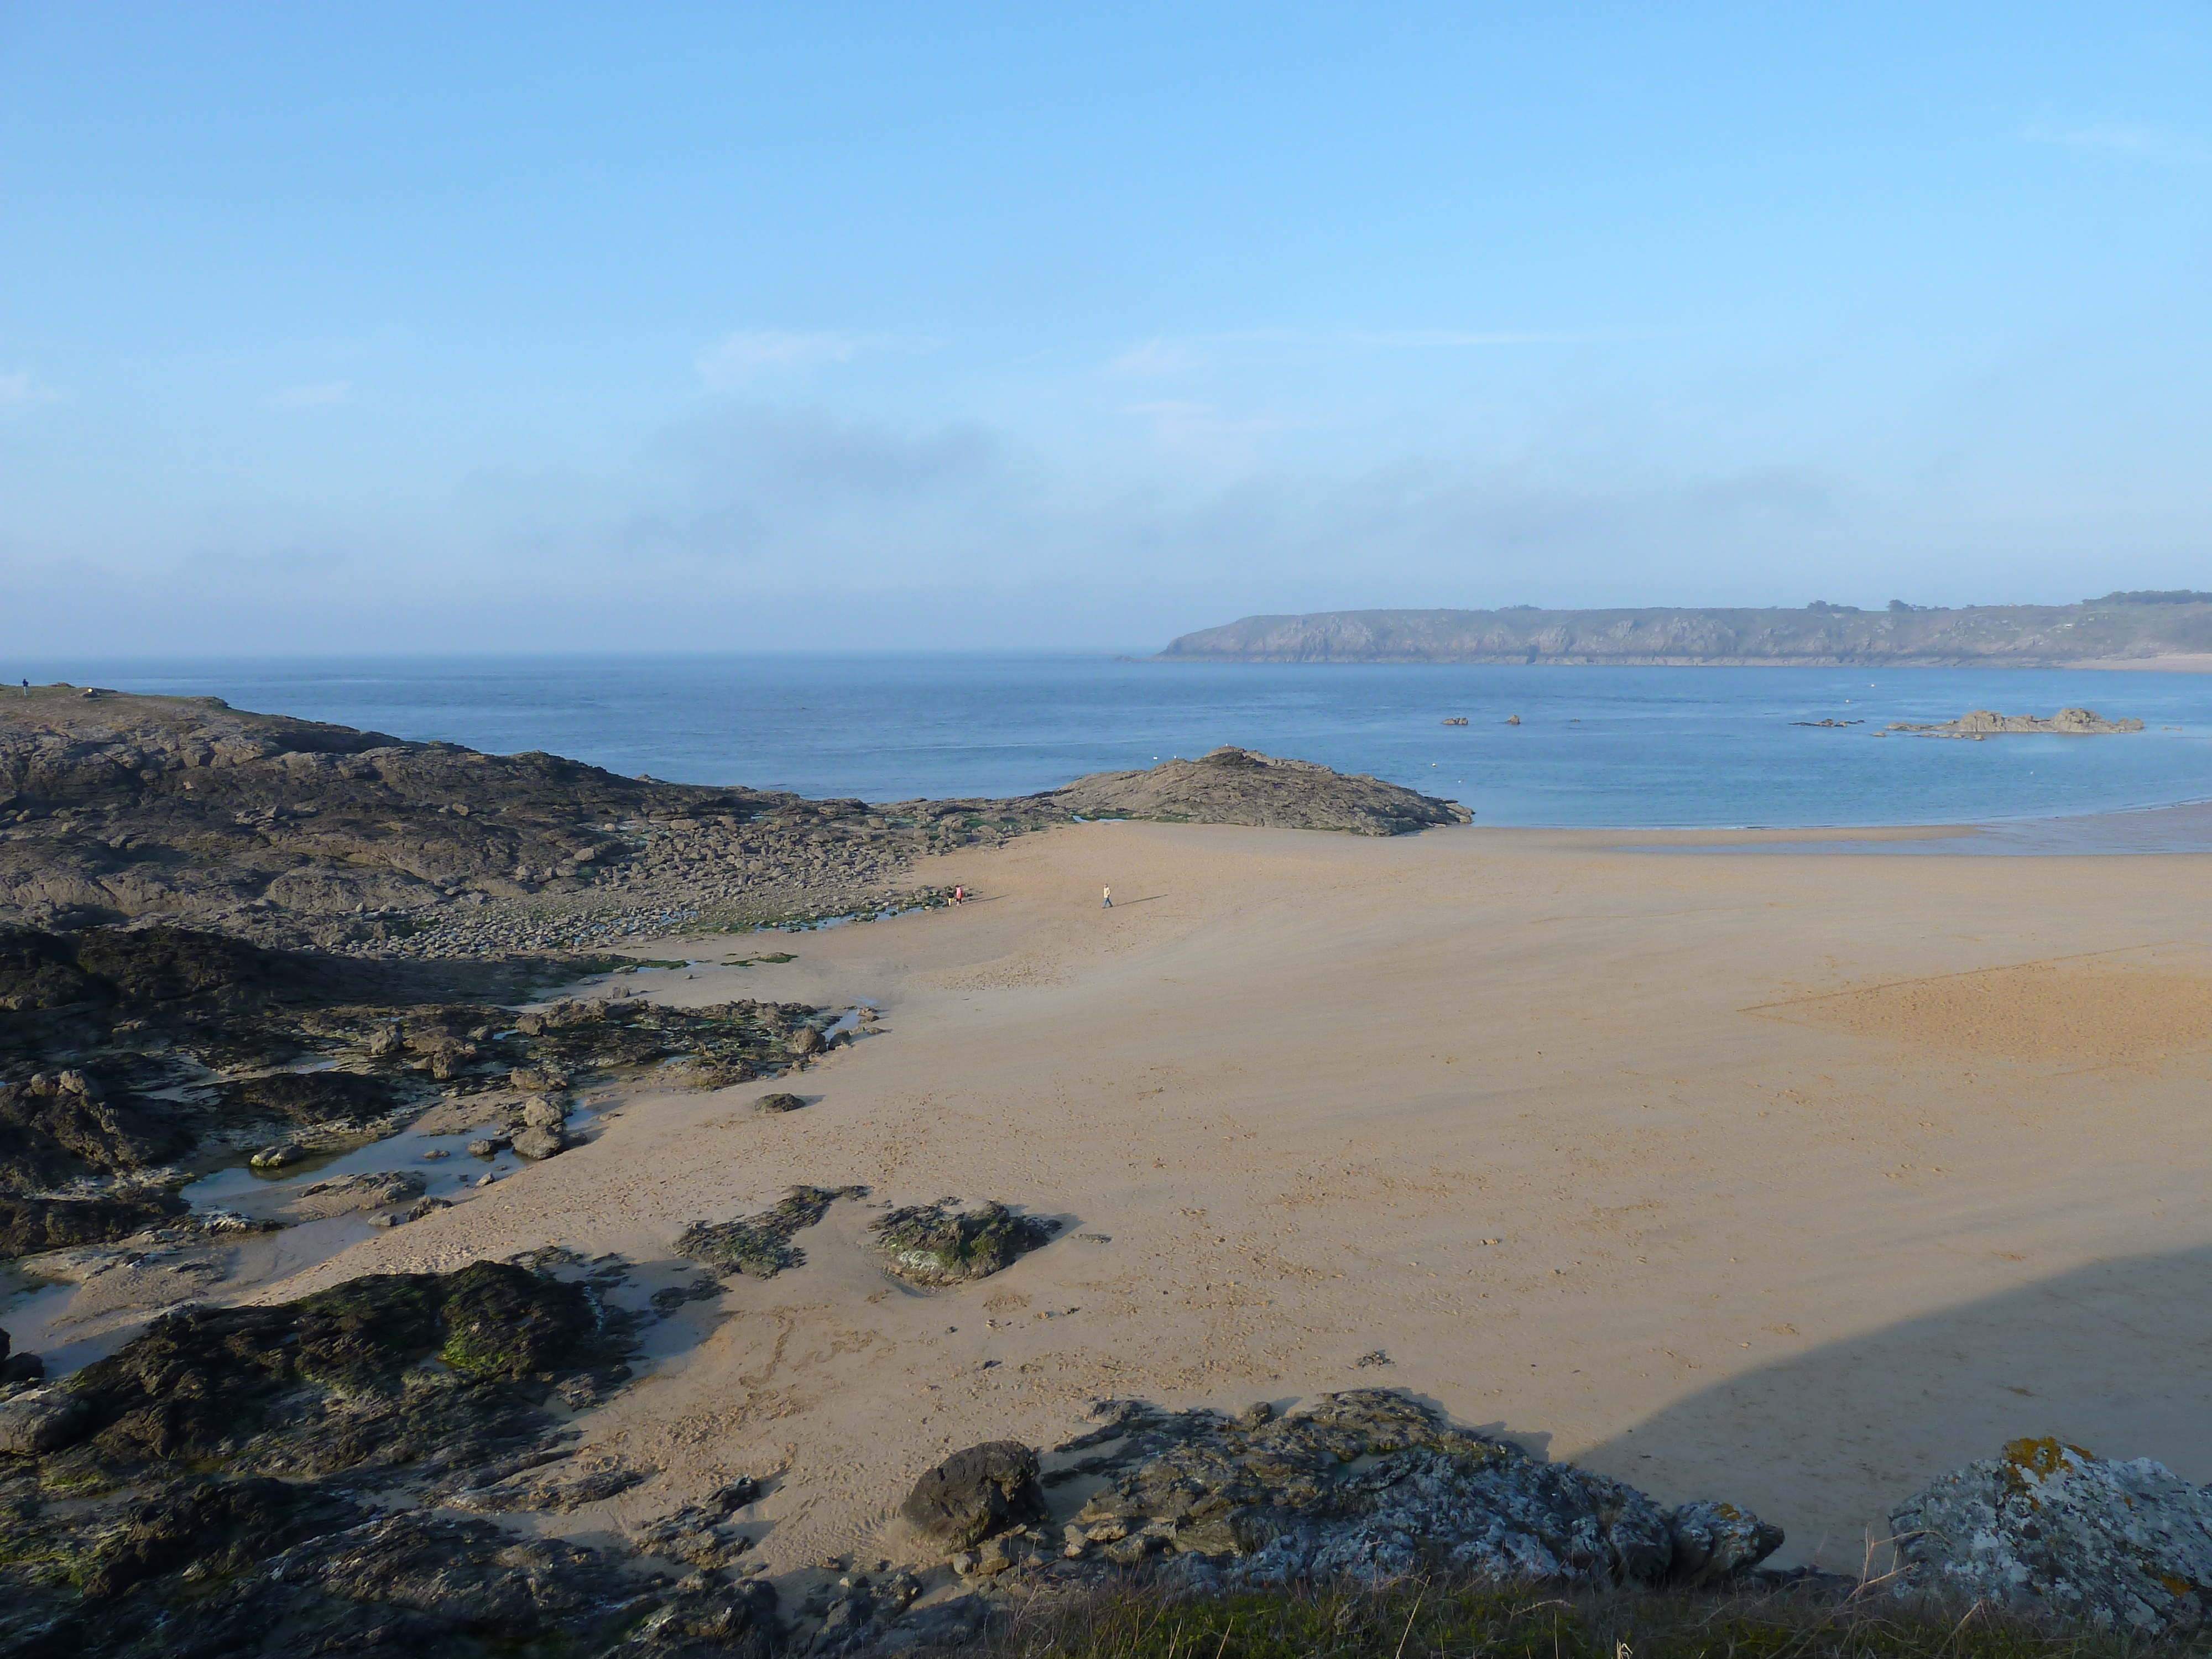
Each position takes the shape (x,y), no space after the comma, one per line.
(2141,629)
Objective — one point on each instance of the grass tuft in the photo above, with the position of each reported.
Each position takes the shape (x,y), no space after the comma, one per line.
(1434,1620)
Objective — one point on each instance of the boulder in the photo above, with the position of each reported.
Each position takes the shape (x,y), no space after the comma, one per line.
(779,1102)
(804,1041)
(534,1080)
(278,1158)
(540,1113)
(975,1494)
(42,1420)
(1716,1541)
(539,1143)
(2049,1528)
(929,1244)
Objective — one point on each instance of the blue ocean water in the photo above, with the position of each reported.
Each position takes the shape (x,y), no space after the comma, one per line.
(1600,747)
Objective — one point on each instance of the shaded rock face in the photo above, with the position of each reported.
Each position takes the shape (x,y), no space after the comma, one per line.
(930,1245)
(2049,1528)
(244,1482)
(28,1225)
(1374,1485)
(976,1493)
(1241,786)
(760,1246)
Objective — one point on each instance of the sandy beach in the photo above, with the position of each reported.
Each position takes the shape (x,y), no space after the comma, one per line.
(1790,1180)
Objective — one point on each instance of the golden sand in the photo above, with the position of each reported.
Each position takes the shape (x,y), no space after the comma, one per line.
(1787,1179)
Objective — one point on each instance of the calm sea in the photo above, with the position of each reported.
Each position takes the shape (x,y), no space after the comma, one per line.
(1610,747)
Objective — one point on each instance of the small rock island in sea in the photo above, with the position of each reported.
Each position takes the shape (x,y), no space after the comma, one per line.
(1983,722)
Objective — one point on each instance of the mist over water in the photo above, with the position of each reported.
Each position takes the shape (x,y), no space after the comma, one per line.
(1595,747)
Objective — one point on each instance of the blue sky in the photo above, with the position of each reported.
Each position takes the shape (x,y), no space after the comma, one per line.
(395,327)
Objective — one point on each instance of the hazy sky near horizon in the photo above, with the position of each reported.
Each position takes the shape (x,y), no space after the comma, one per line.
(402,327)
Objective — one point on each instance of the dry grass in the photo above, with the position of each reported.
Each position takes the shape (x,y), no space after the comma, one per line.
(1436,1620)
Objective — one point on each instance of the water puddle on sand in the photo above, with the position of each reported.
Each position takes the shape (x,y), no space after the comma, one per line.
(111,1291)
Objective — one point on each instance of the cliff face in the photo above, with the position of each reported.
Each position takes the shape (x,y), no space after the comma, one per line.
(2011,635)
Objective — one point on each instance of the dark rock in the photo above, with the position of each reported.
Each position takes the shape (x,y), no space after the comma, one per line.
(335,1379)
(55,1127)
(217,1528)
(1716,1542)
(41,1421)
(779,1102)
(976,1493)
(279,1157)
(23,1368)
(311,1097)
(760,1246)
(28,1225)
(491,1146)
(804,1041)
(930,1245)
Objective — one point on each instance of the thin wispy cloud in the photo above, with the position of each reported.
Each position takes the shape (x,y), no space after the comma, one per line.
(741,358)
(20,388)
(1432,339)
(319,395)
(2121,139)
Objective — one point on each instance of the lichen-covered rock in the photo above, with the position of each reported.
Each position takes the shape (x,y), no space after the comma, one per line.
(759,1246)
(1717,1541)
(928,1244)
(2049,1528)
(778,1101)
(976,1492)
(1372,1484)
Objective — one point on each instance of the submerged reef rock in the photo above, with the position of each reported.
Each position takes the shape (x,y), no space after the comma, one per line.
(1241,786)
(1373,1485)
(929,1244)
(2049,1528)
(759,1246)
(1983,722)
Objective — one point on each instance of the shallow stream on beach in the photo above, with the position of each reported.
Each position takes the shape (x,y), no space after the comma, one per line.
(1597,747)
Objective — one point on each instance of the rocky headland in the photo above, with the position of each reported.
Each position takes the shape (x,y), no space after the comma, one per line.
(2132,628)
(118,809)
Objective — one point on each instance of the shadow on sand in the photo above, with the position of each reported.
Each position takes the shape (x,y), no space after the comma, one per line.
(2115,1356)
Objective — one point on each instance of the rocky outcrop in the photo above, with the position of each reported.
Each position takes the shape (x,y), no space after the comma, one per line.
(2049,1528)
(1983,723)
(1241,786)
(294,832)
(1370,1485)
(759,1246)
(281,1481)
(108,1040)
(929,1244)
(2123,625)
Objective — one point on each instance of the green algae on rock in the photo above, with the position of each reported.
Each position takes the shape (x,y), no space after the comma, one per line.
(759,1246)
(928,1244)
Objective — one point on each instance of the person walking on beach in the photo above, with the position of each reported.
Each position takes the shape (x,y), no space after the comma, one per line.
(1107,903)
(960,896)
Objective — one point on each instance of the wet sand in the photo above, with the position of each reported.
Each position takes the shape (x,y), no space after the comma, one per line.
(1787,1178)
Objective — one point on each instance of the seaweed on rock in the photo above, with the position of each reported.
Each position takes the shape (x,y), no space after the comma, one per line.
(929,1244)
(759,1246)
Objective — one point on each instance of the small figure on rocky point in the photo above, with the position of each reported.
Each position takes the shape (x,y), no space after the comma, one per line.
(1108,903)
(960,896)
